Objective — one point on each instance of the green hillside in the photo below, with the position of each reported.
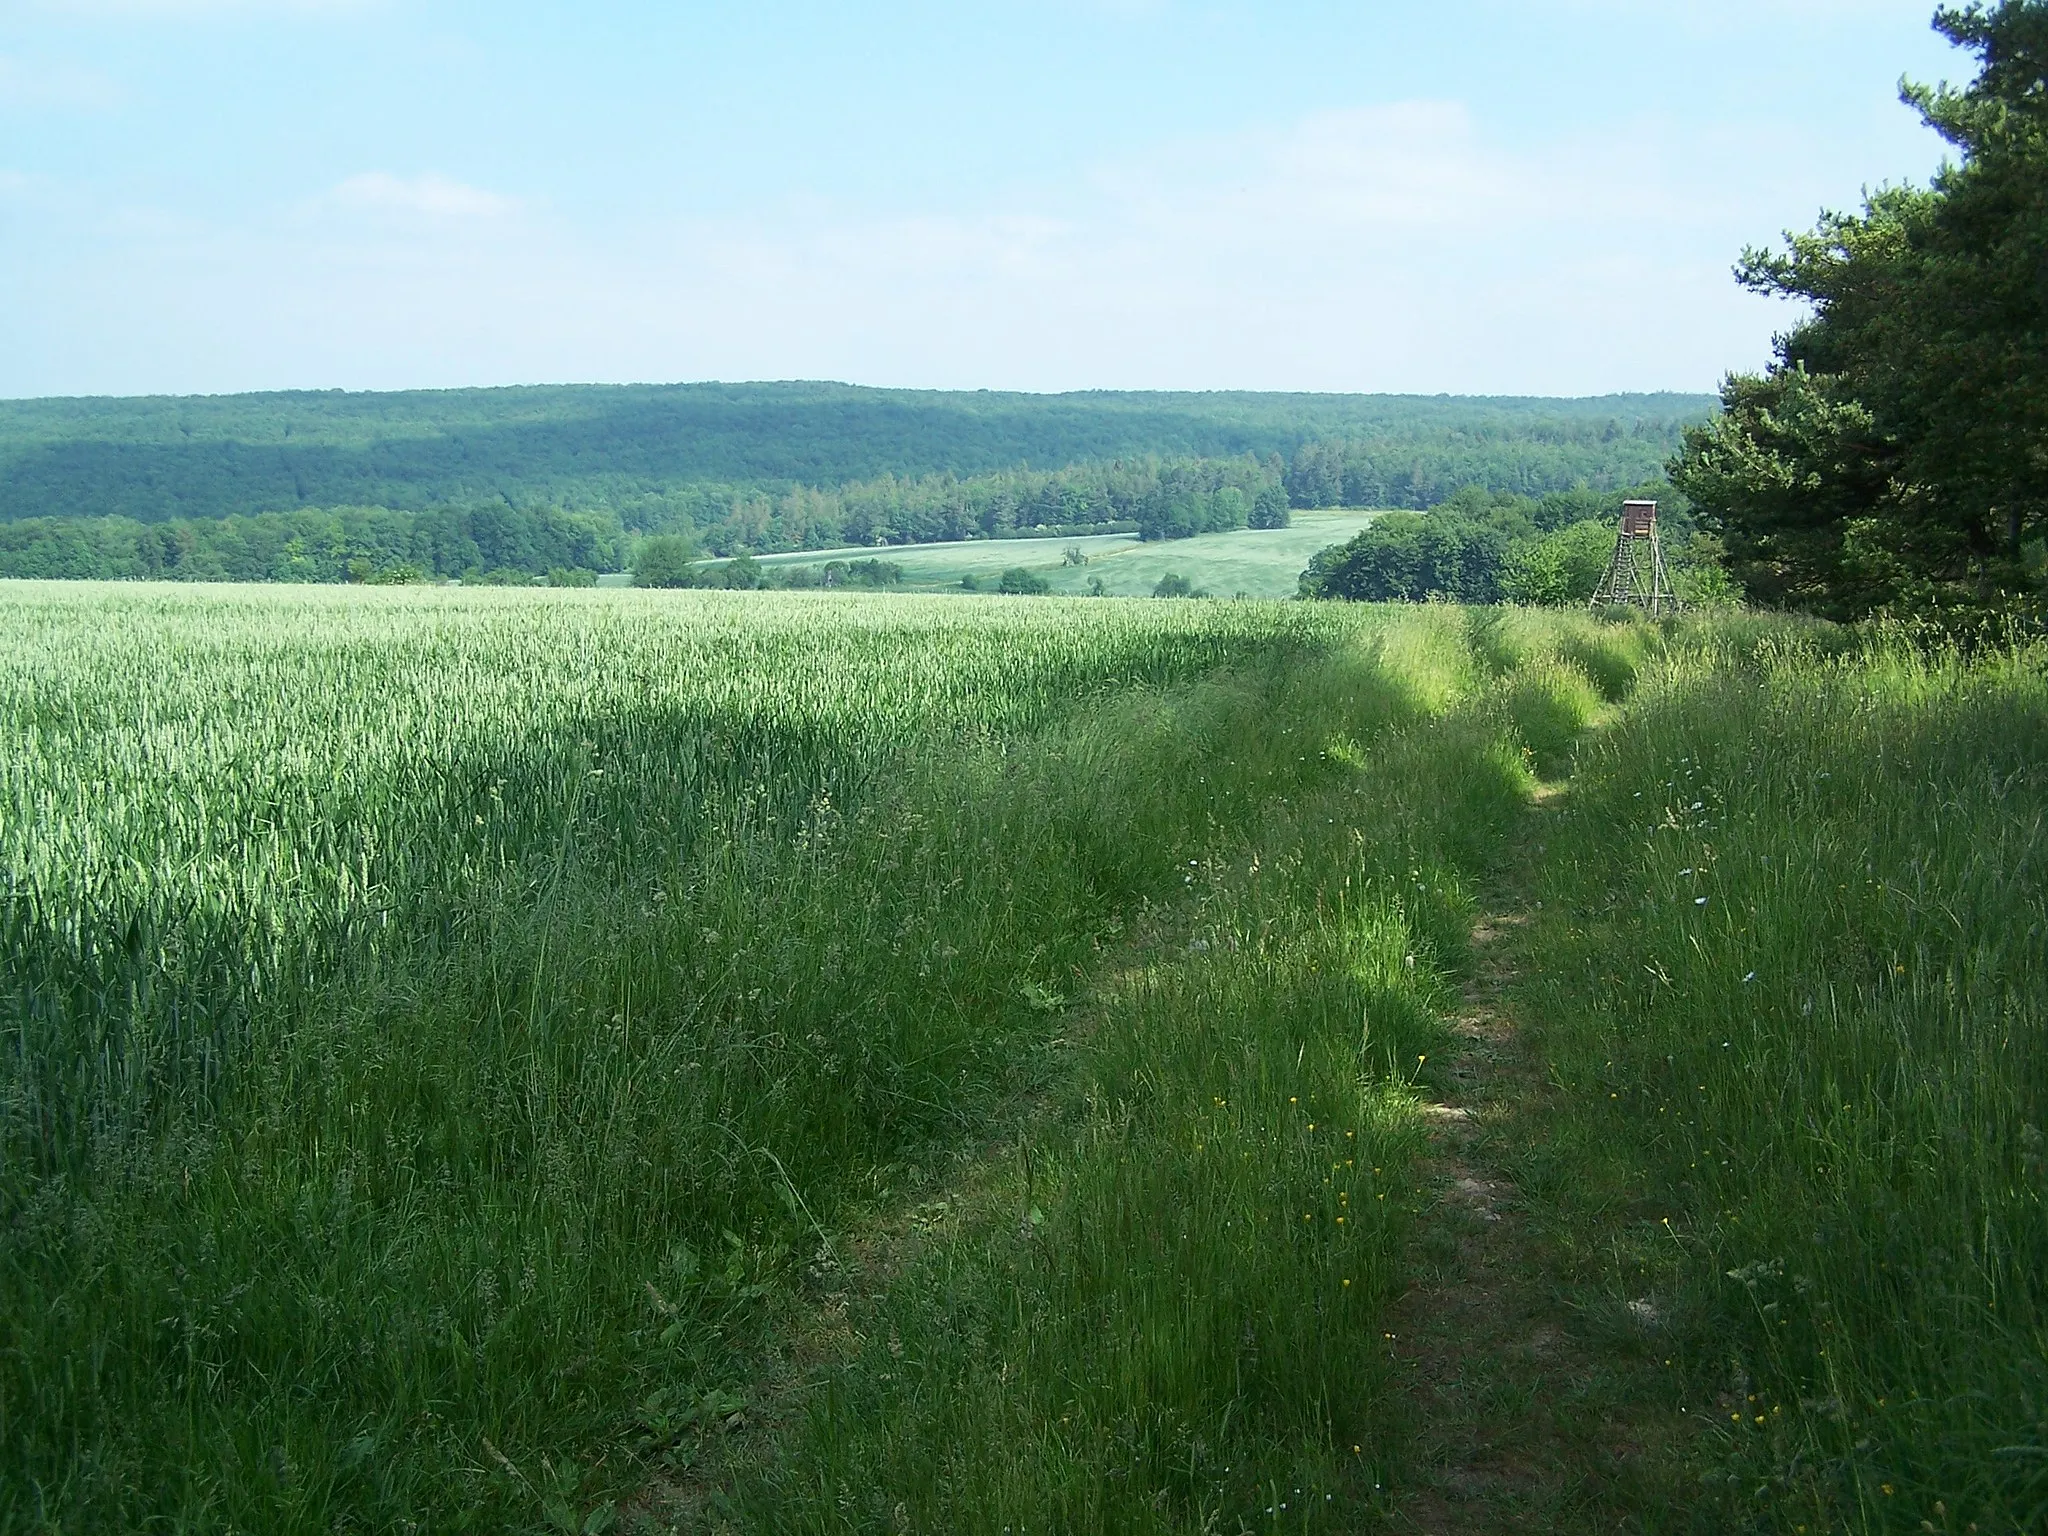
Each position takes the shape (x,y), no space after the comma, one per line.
(627,448)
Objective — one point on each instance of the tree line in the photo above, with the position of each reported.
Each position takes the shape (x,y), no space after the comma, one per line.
(1492,547)
(1542,458)
(1154,498)
(488,542)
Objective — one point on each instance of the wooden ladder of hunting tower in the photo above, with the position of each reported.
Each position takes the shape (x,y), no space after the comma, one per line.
(1636,576)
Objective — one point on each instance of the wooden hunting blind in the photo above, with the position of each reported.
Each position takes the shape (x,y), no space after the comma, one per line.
(1636,576)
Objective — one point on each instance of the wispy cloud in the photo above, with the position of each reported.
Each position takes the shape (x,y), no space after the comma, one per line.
(427,196)
(29,84)
(1394,246)
(1358,249)
(1416,167)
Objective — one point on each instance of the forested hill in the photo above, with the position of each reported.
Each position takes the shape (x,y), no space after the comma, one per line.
(627,450)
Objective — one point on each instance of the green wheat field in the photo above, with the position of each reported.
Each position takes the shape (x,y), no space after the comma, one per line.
(617,1060)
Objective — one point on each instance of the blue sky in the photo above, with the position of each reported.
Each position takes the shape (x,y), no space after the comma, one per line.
(1471,196)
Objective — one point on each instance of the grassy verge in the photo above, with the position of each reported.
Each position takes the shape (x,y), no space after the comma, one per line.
(1159,1305)
(1792,989)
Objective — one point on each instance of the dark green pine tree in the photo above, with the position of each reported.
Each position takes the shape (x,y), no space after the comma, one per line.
(1894,457)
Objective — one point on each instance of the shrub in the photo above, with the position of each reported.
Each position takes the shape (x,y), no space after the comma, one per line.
(1560,568)
(665,560)
(1018,581)
(874,573)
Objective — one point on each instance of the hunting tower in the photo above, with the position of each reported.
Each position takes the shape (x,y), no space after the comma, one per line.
(1635,572)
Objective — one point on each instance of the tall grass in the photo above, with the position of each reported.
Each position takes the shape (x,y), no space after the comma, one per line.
(441,1031)
(1795,966)
(1163,1310)
(434,1022)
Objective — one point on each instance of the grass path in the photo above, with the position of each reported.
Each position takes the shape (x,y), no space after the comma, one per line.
(1528,1407)
(1528,1410)
(1583,1321)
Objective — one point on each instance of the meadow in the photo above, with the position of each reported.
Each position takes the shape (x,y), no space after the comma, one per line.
(1245,562)
(527,1060)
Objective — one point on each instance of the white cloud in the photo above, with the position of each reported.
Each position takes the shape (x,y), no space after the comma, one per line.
(1391,248)
(427,196)
(40,84)
(1411,165)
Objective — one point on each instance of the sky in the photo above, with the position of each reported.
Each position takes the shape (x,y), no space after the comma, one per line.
(1462,196)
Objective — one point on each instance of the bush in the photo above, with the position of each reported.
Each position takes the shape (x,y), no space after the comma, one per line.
(1705,582)
(1018,581)
(1410,556)
(1270,509)
(665,560)
(1560,568)
(873,573)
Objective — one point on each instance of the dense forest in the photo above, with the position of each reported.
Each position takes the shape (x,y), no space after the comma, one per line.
(336,486)
(486,543)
